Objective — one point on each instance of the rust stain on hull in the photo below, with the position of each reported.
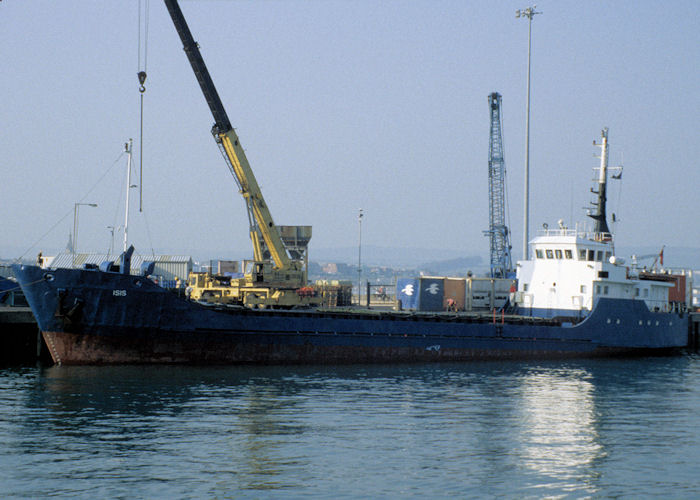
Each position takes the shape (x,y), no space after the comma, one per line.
(179,348)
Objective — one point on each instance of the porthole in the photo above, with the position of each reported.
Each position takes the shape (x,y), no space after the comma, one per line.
(641,322)
(609,321)
(49,277)
(617,321)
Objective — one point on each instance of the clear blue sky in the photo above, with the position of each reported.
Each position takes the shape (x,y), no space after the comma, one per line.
(342,105)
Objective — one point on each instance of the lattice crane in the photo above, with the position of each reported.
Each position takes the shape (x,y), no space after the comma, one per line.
(498,233)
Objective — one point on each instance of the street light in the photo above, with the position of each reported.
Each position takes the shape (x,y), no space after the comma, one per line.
(75,226)
(528,13)
(111,243)
(359,259)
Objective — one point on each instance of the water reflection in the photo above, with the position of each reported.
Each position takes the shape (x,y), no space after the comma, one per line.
(232,417)
(559,439)
(477,429)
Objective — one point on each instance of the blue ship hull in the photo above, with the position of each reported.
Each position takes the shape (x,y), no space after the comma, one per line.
(95,317)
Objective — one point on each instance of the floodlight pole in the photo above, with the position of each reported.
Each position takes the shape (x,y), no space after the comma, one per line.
(75,226)
(359,259)
(528,13)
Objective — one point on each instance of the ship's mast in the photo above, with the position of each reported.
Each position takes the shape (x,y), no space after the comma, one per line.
(127,149)
(598,212)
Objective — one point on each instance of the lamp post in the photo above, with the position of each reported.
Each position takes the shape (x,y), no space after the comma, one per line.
(528,13)
(359,259)
(75,226)
(111,242)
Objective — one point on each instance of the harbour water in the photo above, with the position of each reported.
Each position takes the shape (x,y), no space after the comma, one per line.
(623,428)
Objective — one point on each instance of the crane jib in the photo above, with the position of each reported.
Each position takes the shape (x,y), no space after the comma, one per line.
(201,72)
(227,138)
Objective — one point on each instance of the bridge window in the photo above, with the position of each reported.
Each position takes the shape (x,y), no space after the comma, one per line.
(550,255)
(597,289)
(636,292)
(599,256)
(539,253)
(568,254)
(557,254)
(582,254)
(591,255)
(607,256)
(605,290)
(583,288)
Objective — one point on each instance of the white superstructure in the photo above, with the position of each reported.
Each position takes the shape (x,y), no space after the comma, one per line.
(571,269)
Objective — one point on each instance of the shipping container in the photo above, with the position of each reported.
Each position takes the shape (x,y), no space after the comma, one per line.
(678,292)
(432,291)
(479,291)
(407,293)
(334,293)
(455,289)
(488,293)
(502,290)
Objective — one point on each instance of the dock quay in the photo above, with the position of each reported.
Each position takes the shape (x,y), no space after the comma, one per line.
(21,339)
(694,331)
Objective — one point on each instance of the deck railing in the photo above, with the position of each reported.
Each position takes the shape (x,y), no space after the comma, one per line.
(578,233)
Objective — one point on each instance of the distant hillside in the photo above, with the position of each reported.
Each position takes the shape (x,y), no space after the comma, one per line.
(438,261)
(454,267)
(388,274)
(395,257)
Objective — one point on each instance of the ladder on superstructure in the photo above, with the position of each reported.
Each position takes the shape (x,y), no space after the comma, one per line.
(498,232)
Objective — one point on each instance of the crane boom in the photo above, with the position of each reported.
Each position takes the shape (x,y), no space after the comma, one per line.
(263,232)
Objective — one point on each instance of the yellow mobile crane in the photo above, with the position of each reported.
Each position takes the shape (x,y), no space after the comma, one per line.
(273,278)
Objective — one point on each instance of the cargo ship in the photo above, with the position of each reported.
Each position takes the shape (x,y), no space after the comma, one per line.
(574,297)
(90,316)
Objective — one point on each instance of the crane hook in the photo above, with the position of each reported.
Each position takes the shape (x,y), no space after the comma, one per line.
(142,80)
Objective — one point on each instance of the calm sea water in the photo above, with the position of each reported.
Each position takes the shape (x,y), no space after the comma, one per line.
(605,428)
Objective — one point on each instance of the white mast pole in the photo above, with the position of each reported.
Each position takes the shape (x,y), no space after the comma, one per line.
(127,148)
(603,174)
(528,13)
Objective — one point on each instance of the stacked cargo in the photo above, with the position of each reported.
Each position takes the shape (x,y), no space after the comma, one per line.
(430,293)
(488,293)
(407,294)
(334,293)
(420,294)
(455,294)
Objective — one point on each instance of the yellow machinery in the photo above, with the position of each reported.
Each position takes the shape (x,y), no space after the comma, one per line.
(275,278)
(219,289)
